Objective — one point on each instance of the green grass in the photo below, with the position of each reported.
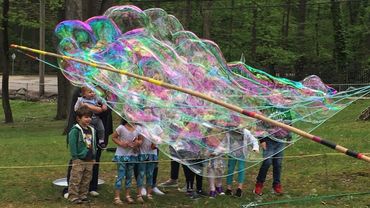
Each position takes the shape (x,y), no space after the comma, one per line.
(35,139)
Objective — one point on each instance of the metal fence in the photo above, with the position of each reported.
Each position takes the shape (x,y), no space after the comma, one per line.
(344,87)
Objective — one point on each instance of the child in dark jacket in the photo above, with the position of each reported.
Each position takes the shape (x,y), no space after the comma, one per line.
(273,145)
(81,139)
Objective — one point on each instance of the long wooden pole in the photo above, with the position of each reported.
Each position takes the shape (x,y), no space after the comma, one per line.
(210,99)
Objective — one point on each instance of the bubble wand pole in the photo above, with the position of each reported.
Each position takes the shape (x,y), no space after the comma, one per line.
(304,134)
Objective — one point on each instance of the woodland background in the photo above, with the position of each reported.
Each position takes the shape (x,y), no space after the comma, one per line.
(286,38)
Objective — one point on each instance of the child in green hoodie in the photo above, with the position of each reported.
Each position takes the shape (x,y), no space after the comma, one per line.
(82,147)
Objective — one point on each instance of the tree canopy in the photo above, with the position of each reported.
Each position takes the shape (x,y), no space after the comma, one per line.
(287,38)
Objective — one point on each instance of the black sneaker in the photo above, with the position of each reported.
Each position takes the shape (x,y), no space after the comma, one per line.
(229,192)
(195,196)
(202,193)
(238,192)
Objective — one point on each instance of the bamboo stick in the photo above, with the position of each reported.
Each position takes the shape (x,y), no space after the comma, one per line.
(210,99)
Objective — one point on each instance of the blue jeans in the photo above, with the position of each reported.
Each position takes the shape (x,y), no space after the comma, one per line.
(97,123)
(125,167)
(230,170)
(273,155)
(146,165)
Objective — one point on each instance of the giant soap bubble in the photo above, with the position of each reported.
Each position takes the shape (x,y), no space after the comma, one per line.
(154,44)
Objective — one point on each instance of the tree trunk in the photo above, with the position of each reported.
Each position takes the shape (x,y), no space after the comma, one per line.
(4,60)
(254,32)
(73,10)
(63,92)
(301,61)
(353,9)
(91,8)
(187,15)
(42,48)
(317,45)
(285,28)
(105,4)
(63,85)
(205,10)
(96,8)
(230,47)
(301,22)
(340,54)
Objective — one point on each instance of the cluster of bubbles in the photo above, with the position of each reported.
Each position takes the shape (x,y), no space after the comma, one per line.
(196,132)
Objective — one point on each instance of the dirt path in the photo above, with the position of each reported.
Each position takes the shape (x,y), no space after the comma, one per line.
(31,83)
(27,87)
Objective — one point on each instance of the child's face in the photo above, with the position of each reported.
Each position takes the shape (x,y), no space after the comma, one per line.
(84,121)
(89,94)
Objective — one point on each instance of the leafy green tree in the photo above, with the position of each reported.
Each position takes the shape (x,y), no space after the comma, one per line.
(340,50)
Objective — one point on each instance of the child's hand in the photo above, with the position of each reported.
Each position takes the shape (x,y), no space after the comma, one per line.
(137,142)
(104,107)
(124,144)
(131,144)
(153,146)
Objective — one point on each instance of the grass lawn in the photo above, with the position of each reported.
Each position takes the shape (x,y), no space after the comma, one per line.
(33,153)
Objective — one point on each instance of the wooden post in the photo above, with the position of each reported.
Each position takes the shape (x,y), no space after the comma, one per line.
(42,47)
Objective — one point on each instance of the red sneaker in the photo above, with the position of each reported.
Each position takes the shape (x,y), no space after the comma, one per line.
(258,189)
(278,189)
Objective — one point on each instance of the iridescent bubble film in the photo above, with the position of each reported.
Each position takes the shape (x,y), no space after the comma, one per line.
(196,132)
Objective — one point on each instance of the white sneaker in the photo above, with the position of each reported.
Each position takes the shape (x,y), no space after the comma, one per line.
(157,191)
(66,195)
(143,192)
(94,193)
